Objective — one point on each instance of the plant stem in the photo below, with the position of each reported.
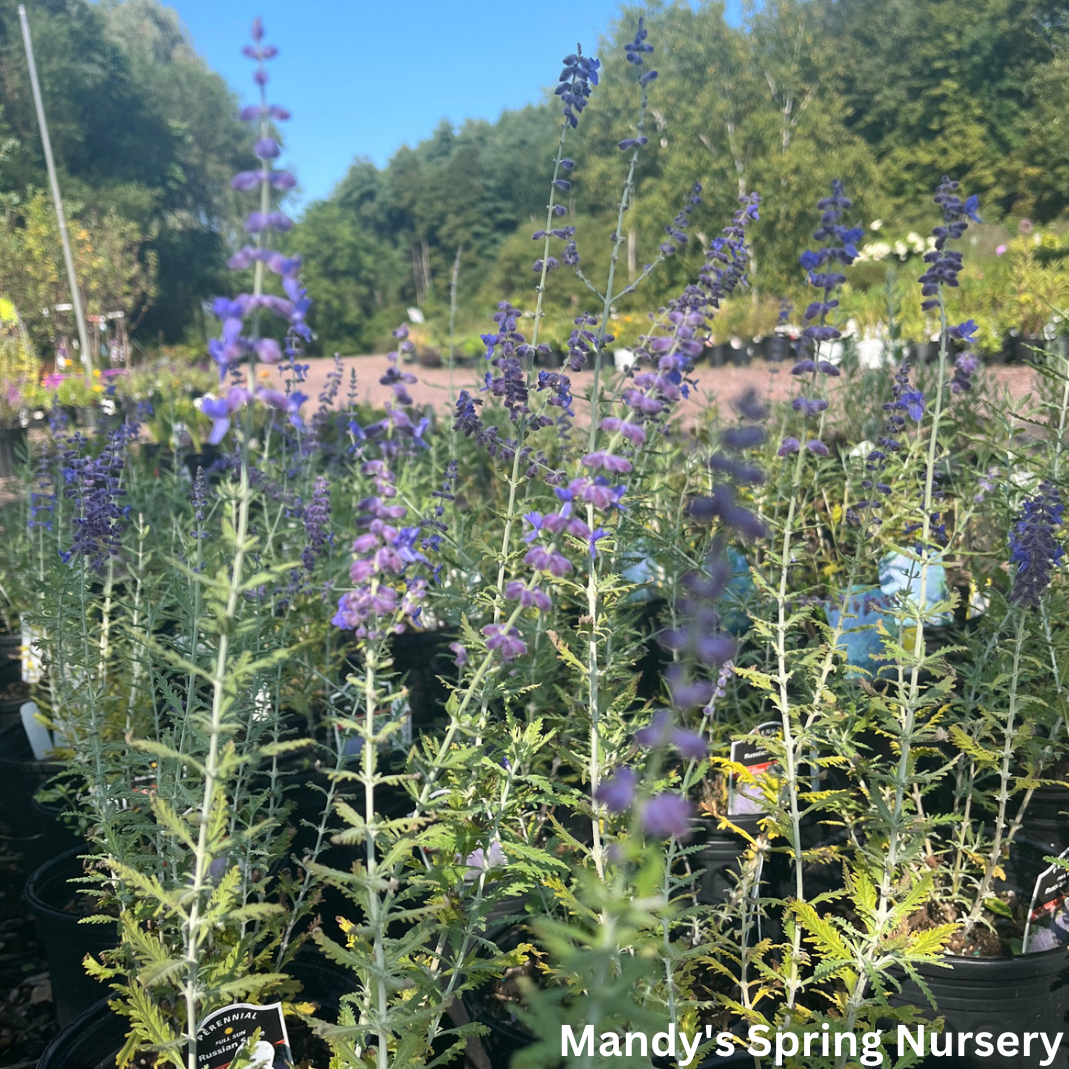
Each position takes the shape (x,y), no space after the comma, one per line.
(986,881)
(212,771)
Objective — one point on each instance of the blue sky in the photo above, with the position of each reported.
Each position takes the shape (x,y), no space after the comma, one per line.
(363,78)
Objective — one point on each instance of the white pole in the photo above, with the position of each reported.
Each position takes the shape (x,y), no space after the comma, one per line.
(50,163)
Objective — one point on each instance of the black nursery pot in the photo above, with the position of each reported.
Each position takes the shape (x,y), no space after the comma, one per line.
(1047,817)
(995,995)
(51,836)
(419,659)
(740,357)
(720,861)
(11,711)
(10,644)
(94,1039)
(1028,993)
(21,777)
(210,460)
(718,355)
(1027,346)
(10,669)
(66,941)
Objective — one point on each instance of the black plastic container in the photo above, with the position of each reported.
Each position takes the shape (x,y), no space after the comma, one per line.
(21,777)
(52,836)
(1028,993)
(93,1040)
(211,460)
(11,710)
(66,941)
(1046,819)
(720,860)
(10,644)
(1016,995)
(10,670)
(419,659)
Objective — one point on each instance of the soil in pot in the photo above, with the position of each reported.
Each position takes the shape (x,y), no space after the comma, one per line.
(998,994)
(59,910)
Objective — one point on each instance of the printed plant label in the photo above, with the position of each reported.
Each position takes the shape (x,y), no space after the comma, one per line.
(225,1033)
(32,664)
(1047,926)
(745,798)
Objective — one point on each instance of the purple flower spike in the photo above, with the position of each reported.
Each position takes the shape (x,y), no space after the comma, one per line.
(244,181)
(618,792)
(534,597)
(656,732)
(543,559)
(1034,547)
(268,351)
(690,744)
(815,445)
(608,461)
(509,641)
(267,148)
(460,655)
(742,437)
(666,816)
(221,409)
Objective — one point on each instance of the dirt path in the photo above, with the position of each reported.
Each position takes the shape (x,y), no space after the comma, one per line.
(724,384)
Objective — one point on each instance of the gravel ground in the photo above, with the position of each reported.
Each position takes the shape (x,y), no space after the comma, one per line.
(718,386)
(726,383)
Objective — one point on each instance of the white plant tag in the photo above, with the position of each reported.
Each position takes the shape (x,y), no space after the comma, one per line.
(37,734)
(32,665)
(224,1034)
(1047,925)
(745,798)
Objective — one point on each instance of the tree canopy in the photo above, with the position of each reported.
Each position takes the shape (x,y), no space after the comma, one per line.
(142,130)
(888,96)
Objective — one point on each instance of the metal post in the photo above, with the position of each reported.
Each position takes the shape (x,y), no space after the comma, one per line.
(50,163)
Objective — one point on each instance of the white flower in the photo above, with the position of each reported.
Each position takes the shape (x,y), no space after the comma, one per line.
(876,224)
(876,250)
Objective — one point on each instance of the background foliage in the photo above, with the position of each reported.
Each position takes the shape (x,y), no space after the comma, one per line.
(888,96)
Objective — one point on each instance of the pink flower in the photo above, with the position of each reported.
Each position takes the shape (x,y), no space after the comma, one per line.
(1000,250)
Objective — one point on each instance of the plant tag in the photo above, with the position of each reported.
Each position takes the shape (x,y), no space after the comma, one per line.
(1047,925)
(745,798)
(37,734)
(32,664)
(224,1034)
